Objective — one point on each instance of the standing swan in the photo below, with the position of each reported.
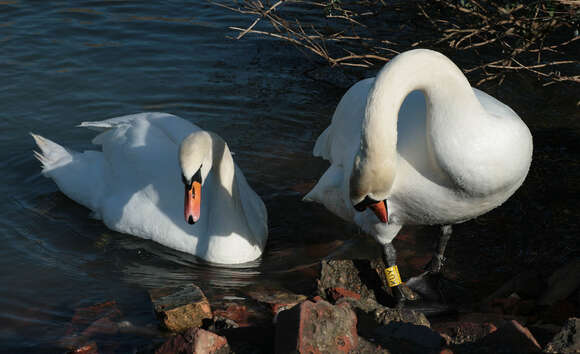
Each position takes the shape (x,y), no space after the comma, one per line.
(133,186)
(418,145)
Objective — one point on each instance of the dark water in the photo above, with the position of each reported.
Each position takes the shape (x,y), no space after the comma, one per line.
(63,63)
(66,62)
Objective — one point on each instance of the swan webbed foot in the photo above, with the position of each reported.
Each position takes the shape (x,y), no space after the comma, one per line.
(427,286)
(402,296)
(436,264)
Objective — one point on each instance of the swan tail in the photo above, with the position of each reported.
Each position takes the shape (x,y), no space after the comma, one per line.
(322,147)
(79,176)
(51,154)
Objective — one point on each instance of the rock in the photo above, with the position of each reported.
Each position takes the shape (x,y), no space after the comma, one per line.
(463,332)
(90,321)
(87,348)
(88,315)
(404,337)
(180,308)
(316,327)
(238,313)
(512,337)
(388,315)
(276,298)
(363,277)
(366,347)
(372,314)
(195,340)
(561,284)
(101,326)
(567,340)
(336,294)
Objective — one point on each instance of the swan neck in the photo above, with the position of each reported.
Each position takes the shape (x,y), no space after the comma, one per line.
(448,96)
(222,162)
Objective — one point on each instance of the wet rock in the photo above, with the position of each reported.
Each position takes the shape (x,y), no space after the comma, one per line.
(101,326)
(195,340)
(364,277)
(90,321)
(567,340)
(87,315)
(316,327)
(562,283)
(275,298)
(180,308)
(238,313)
(512,337)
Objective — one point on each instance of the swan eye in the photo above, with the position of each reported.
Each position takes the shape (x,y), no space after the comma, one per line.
(197,176)
(365,203)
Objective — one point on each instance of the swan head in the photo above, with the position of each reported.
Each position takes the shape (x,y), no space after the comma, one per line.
(195,161)
(370,184)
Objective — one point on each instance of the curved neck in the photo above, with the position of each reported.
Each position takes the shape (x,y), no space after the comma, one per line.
(222,162)
(447,92)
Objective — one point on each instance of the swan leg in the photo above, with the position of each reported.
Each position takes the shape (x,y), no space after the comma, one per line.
(390,259)
(428,283)
(438,259)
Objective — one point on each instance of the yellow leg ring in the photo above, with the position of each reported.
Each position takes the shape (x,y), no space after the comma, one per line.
(393,276)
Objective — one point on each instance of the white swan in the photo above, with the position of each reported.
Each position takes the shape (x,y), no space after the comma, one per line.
(134,186)
(418,145)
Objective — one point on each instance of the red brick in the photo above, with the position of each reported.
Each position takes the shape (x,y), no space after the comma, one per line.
(314,327)
(338,293)
(194,340)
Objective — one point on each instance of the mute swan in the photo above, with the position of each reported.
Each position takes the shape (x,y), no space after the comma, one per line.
(133,186)
(418,145)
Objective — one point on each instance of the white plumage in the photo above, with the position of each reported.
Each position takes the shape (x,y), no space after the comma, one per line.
(134,185)
(421,138)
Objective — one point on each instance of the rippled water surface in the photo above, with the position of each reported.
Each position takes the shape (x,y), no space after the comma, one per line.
(63,63)
(67,62)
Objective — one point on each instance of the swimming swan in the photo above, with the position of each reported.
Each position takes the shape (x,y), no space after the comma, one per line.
(418,145)
(134,186)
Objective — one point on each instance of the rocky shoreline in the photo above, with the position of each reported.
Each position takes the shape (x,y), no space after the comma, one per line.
(348,312)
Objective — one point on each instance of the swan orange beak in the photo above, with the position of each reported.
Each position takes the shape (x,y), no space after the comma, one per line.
(192,207)
(380,210)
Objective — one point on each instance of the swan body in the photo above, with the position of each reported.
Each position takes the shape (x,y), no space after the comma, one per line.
(421,138)
(134,186)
